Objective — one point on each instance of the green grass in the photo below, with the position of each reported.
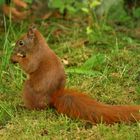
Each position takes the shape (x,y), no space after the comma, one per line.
(108,65)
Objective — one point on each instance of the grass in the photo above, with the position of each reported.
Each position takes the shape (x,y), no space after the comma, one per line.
(108,64)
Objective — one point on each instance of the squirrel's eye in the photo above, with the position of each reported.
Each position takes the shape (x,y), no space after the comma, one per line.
(21,42)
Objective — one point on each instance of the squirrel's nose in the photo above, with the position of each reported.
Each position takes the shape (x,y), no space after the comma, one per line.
(13,59)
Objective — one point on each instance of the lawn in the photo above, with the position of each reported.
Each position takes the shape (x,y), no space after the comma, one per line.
(104,64)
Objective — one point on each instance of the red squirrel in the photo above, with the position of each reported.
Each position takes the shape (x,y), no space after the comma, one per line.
(45,86)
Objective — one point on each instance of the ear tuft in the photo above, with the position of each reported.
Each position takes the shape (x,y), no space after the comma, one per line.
(31,31)
(32,26)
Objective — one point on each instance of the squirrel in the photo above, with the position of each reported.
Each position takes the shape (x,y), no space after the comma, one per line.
(45,86)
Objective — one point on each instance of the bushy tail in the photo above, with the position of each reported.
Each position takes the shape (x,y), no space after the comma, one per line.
(77,105)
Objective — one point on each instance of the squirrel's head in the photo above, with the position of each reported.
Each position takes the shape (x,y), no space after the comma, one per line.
(25,46)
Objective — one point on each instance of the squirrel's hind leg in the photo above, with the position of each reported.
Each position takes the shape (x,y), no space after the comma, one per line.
(34,100)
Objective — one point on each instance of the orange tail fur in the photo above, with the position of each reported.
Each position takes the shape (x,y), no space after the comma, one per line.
(78,105)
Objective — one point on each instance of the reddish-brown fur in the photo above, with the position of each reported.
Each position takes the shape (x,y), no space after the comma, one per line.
(46,82)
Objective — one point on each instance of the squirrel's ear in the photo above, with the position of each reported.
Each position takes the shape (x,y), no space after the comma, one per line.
(31,31)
